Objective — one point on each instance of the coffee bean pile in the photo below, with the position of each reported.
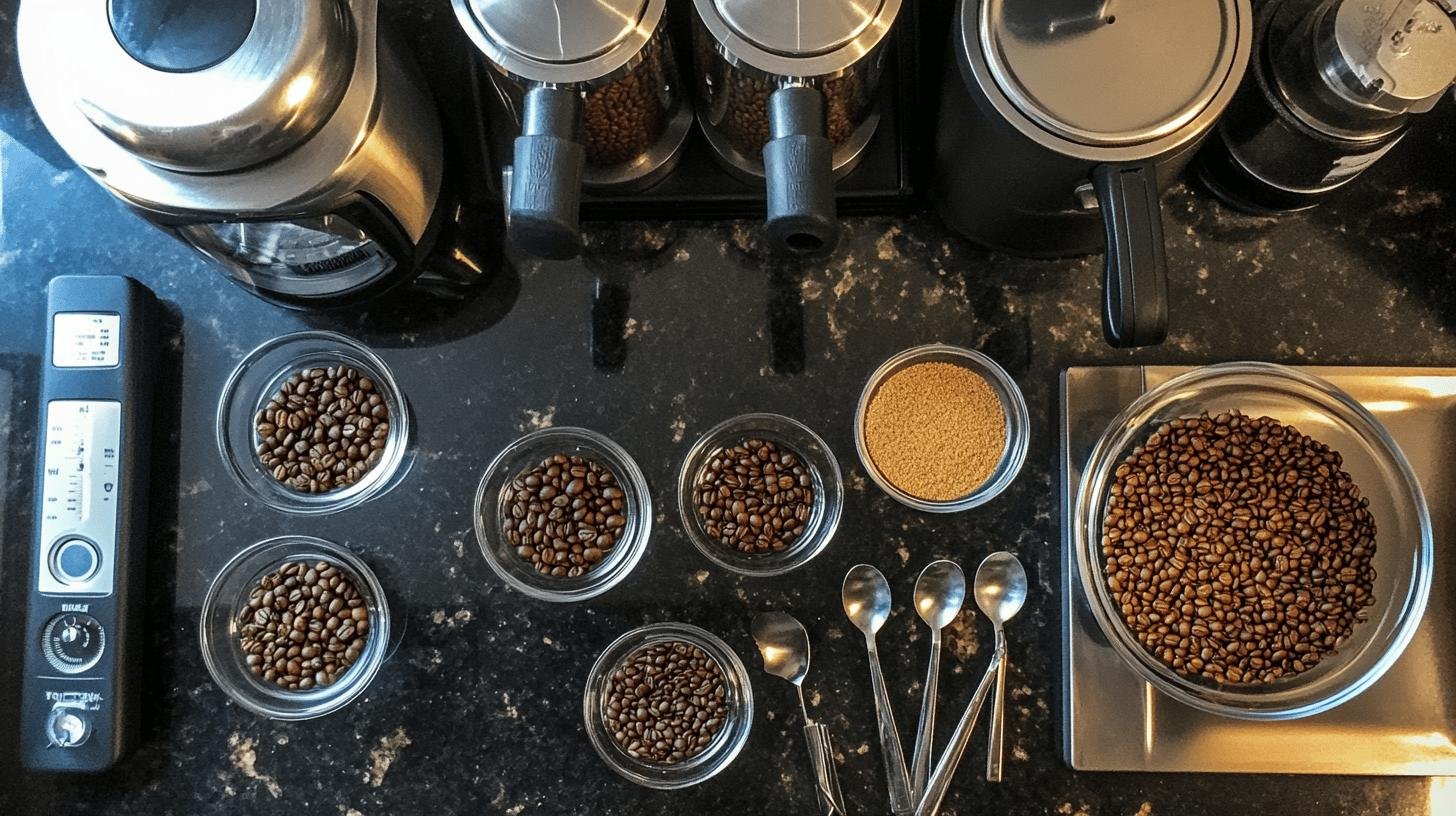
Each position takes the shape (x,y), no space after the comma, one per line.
(564,515)
(323,429)
(666,702)
(1238,549)
(623,119)
(303,626)
(755,497)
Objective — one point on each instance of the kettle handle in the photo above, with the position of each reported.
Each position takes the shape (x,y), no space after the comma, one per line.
(544,204)
(798,166)
(1135,284)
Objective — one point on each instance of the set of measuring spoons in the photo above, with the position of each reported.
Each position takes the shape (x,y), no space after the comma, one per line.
(915,790)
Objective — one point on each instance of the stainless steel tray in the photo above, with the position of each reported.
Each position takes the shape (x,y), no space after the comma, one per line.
(1403,725)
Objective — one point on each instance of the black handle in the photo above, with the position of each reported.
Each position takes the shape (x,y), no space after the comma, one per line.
(545,196)
(1135,294)
(798,166)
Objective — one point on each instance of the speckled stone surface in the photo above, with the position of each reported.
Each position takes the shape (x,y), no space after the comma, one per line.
(479,708)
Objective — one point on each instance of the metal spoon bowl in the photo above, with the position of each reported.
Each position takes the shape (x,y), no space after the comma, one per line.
(940,591)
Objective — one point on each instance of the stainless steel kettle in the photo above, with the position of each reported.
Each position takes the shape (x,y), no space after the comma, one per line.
(1062,120)
(285,139)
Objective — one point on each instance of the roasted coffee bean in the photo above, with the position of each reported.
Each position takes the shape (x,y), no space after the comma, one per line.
(564,515)
(666,702)
(297,622)
(624,119)
(323,429)
(1238,549)
(755,497)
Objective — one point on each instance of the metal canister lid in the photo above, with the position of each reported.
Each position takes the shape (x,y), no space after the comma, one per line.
(801,38)
(1111,72)
(194,89)
(1392,55)
(553,42)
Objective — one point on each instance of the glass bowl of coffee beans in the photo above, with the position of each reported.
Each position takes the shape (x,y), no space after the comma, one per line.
(294,627)
(563,514)
(313,423)
(760,494)
(1253,542)
(941,428)
(668,705)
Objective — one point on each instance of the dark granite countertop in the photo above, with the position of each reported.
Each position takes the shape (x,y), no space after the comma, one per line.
(478,711)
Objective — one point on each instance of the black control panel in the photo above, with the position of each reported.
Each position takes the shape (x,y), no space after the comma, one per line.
(78,709)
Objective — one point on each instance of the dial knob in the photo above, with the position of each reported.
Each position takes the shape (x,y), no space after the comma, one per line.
(67,727)
(73,642)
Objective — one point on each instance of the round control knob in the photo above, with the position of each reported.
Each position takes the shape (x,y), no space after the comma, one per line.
(73,642)
(67,727)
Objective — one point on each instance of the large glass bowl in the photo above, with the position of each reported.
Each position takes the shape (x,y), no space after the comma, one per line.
(1403,553)
(726,744)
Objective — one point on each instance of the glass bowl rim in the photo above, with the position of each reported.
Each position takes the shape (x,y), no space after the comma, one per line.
(828,504)
(285,548)
(239,463)
(733,735)
(628,474)
(1018,426)
(1086,528)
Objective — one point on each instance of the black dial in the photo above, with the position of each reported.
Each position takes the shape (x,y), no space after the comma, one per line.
(73,642)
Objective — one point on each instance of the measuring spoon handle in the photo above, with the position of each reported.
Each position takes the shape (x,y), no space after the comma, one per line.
(901,802)
(945,770)
(826,776)
(925,732)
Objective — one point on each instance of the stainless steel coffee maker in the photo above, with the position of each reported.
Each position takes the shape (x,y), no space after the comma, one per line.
(288,140)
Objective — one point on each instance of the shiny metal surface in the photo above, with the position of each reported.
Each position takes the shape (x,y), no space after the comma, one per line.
(1000,593)
(1389,55)
(940,591)
(274,91)
(780,39)
(799,29)
(960,740)
(1405,724)
(866,598)
(1138,73)
(586,42)
(383,138)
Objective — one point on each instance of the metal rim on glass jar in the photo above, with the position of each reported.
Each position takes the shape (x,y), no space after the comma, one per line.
(288,141)
(559,71)
(787,97)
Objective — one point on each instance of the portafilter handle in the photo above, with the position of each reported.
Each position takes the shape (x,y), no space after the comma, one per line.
(544,204)
(798,166)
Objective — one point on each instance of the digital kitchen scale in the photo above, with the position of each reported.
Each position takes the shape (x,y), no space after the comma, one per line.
(1405,724)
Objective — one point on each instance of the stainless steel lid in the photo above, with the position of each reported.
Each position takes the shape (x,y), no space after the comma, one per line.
(1390,55)
(206,88)
(1112,72)
(804,38)
(549,41)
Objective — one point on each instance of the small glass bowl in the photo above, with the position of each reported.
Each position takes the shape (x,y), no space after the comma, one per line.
(491,509)
(1404,558)
(726,744)
(228,595)
(804,443)
(256,380)
(1018,424)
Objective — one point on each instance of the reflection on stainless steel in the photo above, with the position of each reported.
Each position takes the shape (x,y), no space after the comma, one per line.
(940,592)
(866,597)
(1405,724)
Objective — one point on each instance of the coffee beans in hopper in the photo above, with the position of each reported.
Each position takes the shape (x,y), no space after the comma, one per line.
(564,515)
(666,702)
(1238,549)
(755,497)
(323,429)
(303,626)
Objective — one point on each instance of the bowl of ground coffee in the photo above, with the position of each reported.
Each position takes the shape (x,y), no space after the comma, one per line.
(1253,542)
(563,514)
(941,428)
(668,705)
(294,627)
(760,494)
(312,423)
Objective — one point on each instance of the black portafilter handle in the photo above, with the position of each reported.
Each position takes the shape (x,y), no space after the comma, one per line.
(544,209)
(1135,284)
(798,167)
